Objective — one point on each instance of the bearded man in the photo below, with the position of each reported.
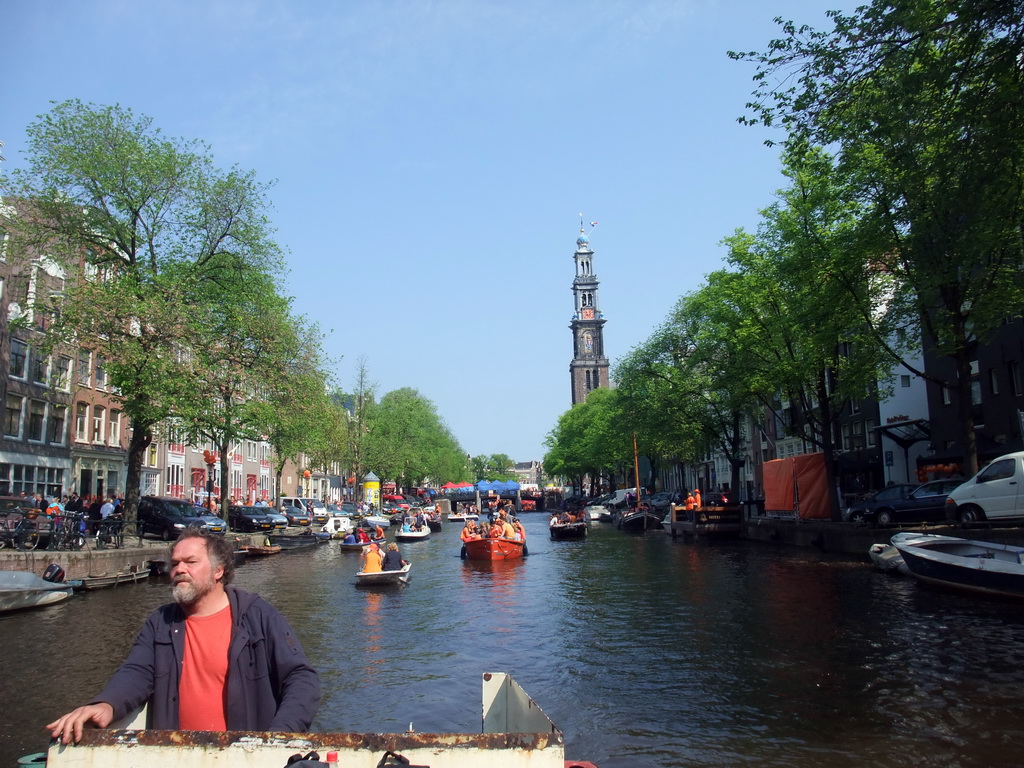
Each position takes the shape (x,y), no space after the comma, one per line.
(217,658)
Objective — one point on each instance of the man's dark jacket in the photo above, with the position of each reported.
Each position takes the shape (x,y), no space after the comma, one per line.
(270,684)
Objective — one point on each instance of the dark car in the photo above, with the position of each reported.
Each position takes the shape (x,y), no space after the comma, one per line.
(857,512)
(895,505)
(249,519)
(297,516)
(167,517)
(661,501)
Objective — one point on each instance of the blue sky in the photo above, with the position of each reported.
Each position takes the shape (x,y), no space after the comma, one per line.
(432,158)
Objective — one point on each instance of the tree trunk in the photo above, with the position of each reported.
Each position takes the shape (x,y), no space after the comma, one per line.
(142,437)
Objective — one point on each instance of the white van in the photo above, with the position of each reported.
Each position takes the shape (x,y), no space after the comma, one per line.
(995,493)
(320,513)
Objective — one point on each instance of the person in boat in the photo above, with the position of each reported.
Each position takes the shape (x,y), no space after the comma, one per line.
(494,532)
(469,532)
(520,532)
(507,531)
(393,559)
(217,658)
(372,559)
(378,532)
(364,537)
(350,538)
(697,503)
(690,505)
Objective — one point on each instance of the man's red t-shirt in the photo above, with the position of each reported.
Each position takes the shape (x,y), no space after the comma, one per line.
(204,672)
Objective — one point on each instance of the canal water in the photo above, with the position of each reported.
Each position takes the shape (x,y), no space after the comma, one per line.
(643,650)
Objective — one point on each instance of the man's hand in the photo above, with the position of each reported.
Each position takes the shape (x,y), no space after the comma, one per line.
(69,727)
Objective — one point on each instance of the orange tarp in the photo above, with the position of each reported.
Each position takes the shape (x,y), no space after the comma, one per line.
(797,483)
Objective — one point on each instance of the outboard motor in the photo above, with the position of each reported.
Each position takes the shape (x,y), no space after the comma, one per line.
(53,573)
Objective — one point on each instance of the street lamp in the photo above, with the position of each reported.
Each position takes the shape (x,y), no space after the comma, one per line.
(210,458)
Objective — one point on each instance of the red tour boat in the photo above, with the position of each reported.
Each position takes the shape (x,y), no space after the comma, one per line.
(494,549)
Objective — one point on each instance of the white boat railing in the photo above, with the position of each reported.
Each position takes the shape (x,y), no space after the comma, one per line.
(515,734)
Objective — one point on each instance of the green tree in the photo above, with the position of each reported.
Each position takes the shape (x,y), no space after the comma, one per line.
(921,102)
(142,225)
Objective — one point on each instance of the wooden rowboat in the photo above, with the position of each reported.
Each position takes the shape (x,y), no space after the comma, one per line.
(113,580)
(383,578)
(576,530)
(266,549)
(494,549)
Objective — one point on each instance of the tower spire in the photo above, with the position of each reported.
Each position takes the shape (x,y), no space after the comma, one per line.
(589,367)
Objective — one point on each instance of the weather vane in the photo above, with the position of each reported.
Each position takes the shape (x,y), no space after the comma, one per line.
(593,225)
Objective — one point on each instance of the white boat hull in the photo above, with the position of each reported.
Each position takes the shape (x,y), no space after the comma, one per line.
(21,589)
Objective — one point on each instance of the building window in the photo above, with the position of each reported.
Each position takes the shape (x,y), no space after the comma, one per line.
(40,368)
(101,373)
(36,420)
(19,358)
(62,373)
(58,417)
(905,380)
(872,435)
(82,422)
(99,414)
(947,398)
(114,438)
(12,416)
(846,437)
(84,367)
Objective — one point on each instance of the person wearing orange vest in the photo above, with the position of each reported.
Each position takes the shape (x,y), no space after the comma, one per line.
(697,504)
(372,559)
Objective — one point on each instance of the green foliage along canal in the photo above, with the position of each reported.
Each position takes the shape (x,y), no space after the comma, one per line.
(643,650)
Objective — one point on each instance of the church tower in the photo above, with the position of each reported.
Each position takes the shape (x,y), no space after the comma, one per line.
(589,367)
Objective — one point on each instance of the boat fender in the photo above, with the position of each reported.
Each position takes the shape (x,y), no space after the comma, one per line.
(462,554)
(526,550)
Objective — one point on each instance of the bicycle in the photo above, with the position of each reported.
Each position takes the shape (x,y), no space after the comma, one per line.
(110,532)
(67,532)
(21,534)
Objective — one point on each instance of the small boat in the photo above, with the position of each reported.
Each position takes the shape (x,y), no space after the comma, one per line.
(289,543)
(359,546)
(337,527)
(887,557)
(410,534)
(638,520)
(976,566)
(382,578)
(23,589)
(434,522)
(260,551)
(456,517)
(114,580)
(375,520)
(494,549)
(576,529)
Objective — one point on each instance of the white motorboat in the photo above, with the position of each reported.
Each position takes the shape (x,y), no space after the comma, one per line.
(406,533)
(380,578)
(887,557)
(977,566)
(22,589)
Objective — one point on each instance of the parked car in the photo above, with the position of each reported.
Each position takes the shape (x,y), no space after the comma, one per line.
(857,512)
(319,509)
(280,521)
(924,504)
(167,517)
(250,519)
(661,500)
(297,516)
(995,493)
